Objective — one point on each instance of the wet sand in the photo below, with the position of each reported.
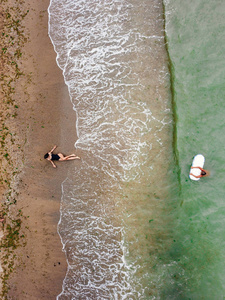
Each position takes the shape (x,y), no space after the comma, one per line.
(44,118)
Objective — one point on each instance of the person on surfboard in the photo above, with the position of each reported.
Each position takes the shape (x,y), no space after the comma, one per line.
(203,172)
(60,157)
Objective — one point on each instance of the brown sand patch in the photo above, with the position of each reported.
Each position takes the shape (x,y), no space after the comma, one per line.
(39,116)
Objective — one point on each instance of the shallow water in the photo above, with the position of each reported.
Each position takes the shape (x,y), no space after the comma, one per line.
(196,48)
(132,223)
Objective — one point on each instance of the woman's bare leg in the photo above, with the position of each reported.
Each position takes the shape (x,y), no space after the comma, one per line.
(71,157)
(68,157)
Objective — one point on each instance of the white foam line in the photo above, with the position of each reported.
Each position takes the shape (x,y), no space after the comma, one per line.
(92,66)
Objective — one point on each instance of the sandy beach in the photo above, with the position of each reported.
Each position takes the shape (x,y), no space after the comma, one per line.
(117,73)
(44,118)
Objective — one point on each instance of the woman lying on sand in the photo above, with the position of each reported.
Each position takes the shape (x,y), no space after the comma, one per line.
(60,157)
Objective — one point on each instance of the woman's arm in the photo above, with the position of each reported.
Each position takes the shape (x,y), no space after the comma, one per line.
(53,149)
(54,166)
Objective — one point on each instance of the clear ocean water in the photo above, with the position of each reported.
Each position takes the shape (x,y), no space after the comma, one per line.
(146,82)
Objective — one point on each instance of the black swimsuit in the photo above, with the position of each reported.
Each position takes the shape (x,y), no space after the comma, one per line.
(55,157)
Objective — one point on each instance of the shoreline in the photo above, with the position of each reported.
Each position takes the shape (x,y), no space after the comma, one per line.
(40,264)
(44,118)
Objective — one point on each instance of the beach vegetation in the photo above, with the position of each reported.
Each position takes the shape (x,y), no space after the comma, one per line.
(12,40)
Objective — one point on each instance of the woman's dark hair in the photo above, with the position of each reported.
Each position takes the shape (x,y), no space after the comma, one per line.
(46,155)
(203,173)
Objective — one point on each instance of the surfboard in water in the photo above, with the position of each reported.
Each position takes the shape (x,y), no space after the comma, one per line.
(198,161)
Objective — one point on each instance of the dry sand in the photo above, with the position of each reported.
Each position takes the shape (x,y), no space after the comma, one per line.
(44,118)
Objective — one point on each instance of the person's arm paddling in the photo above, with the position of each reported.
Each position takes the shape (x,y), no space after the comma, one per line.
(198,168)
(199,176)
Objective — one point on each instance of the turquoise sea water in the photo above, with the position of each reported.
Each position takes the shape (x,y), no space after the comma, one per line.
(195,35)
(132,225)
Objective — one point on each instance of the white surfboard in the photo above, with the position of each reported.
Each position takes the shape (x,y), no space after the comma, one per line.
(198,161)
